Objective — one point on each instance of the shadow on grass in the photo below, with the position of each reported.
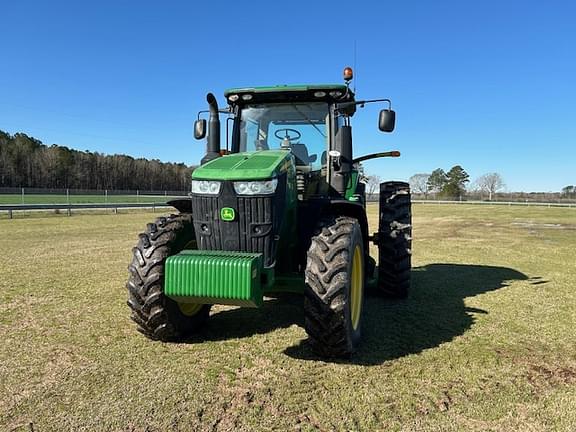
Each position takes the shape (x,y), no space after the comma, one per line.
(281,312)
(434,313)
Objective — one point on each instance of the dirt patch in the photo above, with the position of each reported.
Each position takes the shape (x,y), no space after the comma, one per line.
(539,376)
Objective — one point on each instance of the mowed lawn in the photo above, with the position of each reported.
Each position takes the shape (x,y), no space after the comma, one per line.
(486,340)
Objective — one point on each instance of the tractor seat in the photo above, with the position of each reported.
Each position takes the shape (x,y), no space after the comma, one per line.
(300,152)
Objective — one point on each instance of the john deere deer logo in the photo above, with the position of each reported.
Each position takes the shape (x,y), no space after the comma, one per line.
(227,214)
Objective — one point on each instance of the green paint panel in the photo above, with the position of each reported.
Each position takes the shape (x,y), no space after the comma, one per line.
(259,165)
(221,277)
(260,161)
(352,185)
(225,162)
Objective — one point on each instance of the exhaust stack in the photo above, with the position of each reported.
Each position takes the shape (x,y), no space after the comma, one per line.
(213,146)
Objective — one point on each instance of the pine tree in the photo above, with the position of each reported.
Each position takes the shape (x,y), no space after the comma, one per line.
(437,180)
(456,179)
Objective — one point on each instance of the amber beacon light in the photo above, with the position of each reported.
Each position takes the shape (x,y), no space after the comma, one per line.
(348,73)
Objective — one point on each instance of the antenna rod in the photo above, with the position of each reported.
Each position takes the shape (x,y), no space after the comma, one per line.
(355,70)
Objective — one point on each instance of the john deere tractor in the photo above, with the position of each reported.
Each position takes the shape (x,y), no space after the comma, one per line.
(282,208)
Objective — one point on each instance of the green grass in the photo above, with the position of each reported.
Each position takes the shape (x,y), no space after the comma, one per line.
(485,341)
(81,199)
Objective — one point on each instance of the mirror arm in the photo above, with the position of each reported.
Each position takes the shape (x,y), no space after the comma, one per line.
(394,153)
(221,111)
(364,102)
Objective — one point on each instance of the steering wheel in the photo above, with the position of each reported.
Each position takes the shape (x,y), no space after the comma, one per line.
(286,136)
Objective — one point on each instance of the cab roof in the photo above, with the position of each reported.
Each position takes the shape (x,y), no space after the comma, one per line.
(280,93)
(286,88)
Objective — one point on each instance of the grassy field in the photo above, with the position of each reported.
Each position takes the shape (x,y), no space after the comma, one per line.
(81,199)
(486,340)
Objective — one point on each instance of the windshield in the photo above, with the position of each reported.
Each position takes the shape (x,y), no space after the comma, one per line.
(299,127)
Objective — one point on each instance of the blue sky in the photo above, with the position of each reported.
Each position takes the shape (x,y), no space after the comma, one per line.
(488,85)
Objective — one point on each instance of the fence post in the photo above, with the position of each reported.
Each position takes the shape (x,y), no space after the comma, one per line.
(106,196)
(10,214)
(68,196)
(22,195)
(69,211)
(137,196)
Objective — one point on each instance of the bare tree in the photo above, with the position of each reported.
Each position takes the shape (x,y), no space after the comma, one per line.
(569,191)
(372,184)
(490,183)
(419,184)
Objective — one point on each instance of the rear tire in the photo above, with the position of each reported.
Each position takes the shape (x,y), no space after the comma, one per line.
(157,316)
(394,240)
(334,293)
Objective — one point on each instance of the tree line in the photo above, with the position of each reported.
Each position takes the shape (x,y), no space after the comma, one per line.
(454,185)
(27,162)
(449,185)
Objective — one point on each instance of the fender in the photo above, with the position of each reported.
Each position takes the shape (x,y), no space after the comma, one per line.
(183,205)
(342,207)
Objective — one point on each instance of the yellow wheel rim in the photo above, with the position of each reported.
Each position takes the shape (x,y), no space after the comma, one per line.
(356,287)
(189,309)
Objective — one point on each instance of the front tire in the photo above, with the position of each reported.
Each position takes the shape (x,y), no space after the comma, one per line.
(157,316)
(334,293)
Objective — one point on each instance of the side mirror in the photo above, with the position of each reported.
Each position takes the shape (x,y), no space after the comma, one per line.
(312,158)
(387,120)
(200,129)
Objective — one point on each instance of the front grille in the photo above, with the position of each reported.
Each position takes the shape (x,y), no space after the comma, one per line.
(256,226)
(254,229)
(205,211)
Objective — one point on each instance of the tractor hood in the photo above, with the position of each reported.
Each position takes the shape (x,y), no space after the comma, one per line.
(259,165)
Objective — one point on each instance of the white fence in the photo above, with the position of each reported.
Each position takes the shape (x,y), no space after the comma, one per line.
(499,203)
(11,209)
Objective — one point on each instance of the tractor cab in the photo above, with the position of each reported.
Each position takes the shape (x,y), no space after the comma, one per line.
(295,119)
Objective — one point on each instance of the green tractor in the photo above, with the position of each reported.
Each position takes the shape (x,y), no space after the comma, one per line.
(281,209)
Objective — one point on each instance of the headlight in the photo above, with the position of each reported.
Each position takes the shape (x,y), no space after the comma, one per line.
(210,187)
(264,187)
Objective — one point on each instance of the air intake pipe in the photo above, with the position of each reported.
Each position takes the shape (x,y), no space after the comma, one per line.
(343,165)
(213,146)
